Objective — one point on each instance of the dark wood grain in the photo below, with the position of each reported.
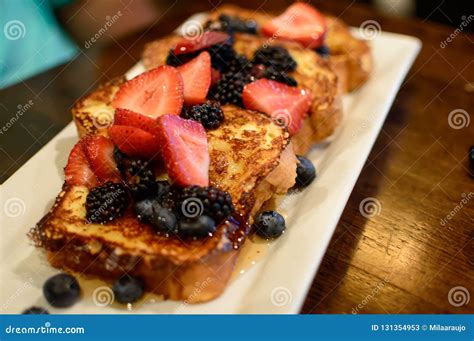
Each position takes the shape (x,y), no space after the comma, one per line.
(402,260)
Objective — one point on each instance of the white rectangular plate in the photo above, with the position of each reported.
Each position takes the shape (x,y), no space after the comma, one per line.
(283,271)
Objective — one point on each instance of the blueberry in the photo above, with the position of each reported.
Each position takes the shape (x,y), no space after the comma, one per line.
(323,50)
(305,172)
(128,289)
(61,290)
(269,224)
(199,227)
(163,219)
(144,209)
(35,311)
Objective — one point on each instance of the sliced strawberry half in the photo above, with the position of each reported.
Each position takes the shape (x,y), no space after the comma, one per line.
(153,93)
(301,23)
(192,44)
(284,103)
(77,171)
(196,78)
(99,151)
(124,117)
(135,141)
(184,150)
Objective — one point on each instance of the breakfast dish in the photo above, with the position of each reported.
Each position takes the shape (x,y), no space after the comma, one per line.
(176,166)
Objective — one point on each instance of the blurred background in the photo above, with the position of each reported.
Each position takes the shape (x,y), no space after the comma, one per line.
(53,32)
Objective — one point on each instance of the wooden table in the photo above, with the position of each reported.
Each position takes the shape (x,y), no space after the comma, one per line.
(406,259)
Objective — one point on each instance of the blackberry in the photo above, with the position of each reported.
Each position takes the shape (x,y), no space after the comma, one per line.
(221,54)
(209,114)
(279,76)
(107,202)
(196,201)
(229,88)
(233,24)
(275,56)
(141,177)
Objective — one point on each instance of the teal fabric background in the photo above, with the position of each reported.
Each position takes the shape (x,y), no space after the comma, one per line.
(31,39)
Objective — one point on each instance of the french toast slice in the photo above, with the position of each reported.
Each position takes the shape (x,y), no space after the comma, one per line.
(250,157)
(312,73)
(350,58)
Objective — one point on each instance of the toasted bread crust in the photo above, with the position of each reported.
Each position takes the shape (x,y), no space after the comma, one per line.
(93,113)
(350,58)
(182,270)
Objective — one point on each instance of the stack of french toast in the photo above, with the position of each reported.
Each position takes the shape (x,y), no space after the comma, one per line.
(174,167)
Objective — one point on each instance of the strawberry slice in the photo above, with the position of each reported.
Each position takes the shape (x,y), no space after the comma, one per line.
(124,117)
(196,78)
(185,150)
(99,151)
(77,171)
(284,103)
(192,44)
(135,141)
(300,22)
(153,93)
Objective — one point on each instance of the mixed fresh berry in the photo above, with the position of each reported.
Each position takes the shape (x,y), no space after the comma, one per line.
(276,56)
(305,172)
(106,203)
(230,87)
(196,76)
(62,290)
(91,162)
(209,201)
(233,24)
(286,104)
(153,93)
(209,114)
(128,289)
(269,224)
(35,311)
(300,22)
